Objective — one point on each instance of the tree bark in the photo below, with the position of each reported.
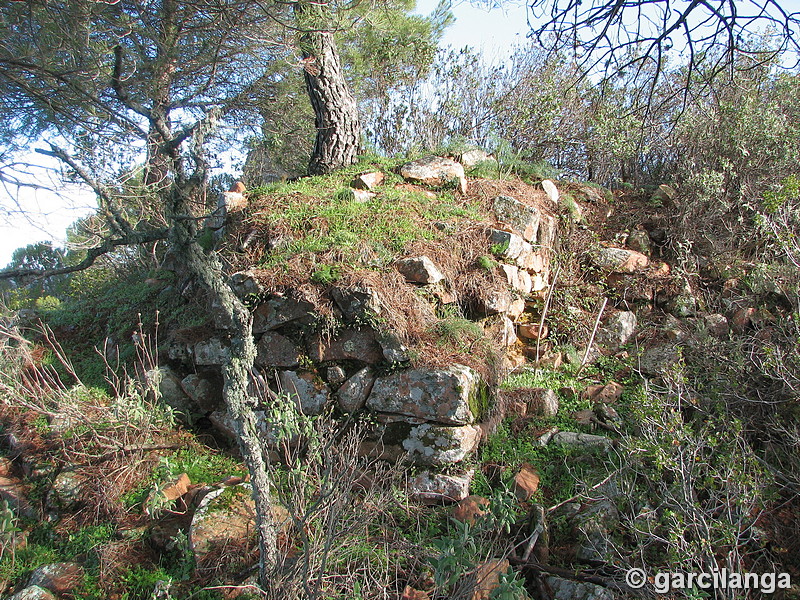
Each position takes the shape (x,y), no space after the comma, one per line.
(236,374)
(335,110)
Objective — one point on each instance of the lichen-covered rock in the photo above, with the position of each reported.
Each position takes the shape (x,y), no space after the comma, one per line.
(58,578)
(357,303)
(205,390)
(450,395)
(33,592)
(394,350)
(353,394)
(591,527)
(435,171)
(309,391)
(436,446)
(567,589)
(335,376)
(619,260)
(402,438)
(522,217)
(419,269)
(617,330)
(276,350)
(437,488)
(571,438)
(245,283)
(67,490)
(280,310)
(658,360)
(227,516)
(213,351)
(350,344)
(717,325)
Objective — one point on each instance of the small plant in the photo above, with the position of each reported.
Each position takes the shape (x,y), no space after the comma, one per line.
(499,249)
(486,262)
(41,425)
(326,274)
(457,331)
(8,527)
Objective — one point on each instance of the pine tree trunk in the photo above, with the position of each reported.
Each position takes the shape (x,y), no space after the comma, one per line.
(336,113)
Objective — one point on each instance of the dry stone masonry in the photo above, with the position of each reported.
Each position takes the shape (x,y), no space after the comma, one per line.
(429,416)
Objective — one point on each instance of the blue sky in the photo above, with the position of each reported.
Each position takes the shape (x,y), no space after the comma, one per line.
(494,31)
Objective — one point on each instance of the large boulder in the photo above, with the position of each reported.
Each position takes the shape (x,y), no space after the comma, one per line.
(435,171)
(451,396)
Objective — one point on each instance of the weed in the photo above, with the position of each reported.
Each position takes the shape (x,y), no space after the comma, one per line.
(500,248)
(8,527)
(326,274)
(456,331)
(486,262)
(41,425)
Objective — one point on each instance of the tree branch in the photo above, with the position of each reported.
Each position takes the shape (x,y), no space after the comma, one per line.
(91,256)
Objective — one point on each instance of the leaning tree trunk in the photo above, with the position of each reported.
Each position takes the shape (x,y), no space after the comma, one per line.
(335,109)
(236,371)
